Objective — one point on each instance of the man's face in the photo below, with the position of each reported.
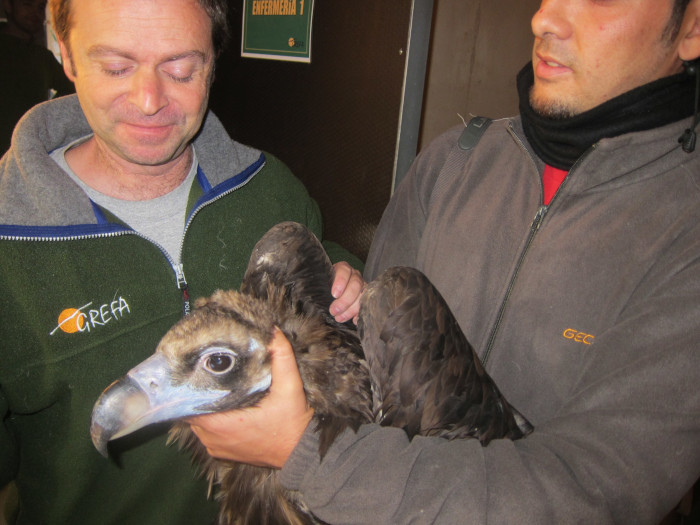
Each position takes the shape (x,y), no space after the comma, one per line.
(587,52)
(142,70)
(26,15)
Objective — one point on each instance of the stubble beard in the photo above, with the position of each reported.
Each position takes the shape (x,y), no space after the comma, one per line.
(553,109)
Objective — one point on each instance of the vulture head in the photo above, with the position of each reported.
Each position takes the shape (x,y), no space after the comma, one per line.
(212,360)
(412,368)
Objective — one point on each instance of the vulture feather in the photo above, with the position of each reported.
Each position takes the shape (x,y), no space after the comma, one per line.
(409,367)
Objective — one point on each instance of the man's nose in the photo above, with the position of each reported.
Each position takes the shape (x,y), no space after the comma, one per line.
(552,19)
(147,92)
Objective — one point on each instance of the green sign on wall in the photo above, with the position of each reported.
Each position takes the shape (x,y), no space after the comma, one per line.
(277,29)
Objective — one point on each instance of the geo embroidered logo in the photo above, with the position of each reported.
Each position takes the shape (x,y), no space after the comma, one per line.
(86,319)
(579,337)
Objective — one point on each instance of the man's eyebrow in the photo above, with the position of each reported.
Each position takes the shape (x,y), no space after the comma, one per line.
(188,54)
(102,50)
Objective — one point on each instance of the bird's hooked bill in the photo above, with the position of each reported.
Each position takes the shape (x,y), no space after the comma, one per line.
(146,395)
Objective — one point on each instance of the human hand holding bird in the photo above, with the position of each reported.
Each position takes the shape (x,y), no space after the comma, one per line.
(347,288)
(255,435)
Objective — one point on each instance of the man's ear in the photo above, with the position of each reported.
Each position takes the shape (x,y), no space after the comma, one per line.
(66,61)
(689,36)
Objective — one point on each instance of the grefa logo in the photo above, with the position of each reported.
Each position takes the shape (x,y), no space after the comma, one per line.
(87,318)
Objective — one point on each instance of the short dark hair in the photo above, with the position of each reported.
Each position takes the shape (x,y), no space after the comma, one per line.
(674,24)
(216,9)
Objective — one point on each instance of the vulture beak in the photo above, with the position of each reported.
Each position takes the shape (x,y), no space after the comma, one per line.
(146,394)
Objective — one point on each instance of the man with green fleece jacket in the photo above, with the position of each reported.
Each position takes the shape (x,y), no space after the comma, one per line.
(117,206)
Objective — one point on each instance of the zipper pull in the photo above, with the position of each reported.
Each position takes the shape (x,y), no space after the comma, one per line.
(182,285)
(539,217)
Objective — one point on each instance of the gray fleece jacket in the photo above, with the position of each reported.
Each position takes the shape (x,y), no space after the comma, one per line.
(586,313)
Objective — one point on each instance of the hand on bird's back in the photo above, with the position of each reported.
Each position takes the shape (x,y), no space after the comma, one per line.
(348,285)
(264,435)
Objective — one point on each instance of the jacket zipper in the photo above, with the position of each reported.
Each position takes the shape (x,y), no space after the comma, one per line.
(534,228)
(182,285)
(179,271)
(58,239)
(179,268)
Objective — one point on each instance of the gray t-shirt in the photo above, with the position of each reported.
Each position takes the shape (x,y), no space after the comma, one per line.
(162,220)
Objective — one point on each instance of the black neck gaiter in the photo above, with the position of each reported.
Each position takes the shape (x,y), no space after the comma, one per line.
(559,142)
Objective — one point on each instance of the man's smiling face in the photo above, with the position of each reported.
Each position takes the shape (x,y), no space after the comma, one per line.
(142,71)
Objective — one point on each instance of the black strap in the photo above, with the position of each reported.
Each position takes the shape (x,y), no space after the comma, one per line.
(473,132)
(459,155)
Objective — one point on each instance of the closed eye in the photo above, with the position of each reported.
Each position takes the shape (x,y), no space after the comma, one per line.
(183,68)
(181,80)
(115,70)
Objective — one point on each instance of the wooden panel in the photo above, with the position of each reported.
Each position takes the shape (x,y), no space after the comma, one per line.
(334,121)
(477,48)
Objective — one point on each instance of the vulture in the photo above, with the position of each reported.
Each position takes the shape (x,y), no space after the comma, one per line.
(406,365)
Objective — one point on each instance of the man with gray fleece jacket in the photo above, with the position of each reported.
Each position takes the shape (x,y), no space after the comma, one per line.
(567,243)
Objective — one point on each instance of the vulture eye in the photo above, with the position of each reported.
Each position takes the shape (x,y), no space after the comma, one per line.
(218,361)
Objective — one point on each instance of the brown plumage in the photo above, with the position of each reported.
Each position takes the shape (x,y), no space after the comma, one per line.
(425,377)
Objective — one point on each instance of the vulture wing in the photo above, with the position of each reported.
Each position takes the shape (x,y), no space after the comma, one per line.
(289,257)
(289,266)
(426,378)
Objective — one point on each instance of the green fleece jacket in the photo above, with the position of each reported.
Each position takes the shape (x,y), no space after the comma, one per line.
(84,298)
